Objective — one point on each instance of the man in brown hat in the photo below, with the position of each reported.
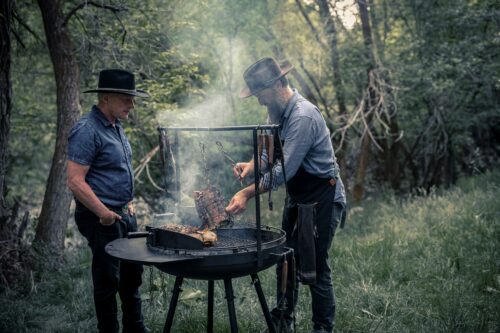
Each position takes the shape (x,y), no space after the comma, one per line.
(316,197)
(101,178)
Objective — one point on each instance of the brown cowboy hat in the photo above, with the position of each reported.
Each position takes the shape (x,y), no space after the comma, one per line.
(117,81)
(262,75)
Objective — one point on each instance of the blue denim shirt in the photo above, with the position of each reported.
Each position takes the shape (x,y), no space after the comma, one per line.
(307,144)
(94,141)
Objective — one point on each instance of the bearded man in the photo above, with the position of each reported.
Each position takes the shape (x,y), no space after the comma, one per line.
(314,188)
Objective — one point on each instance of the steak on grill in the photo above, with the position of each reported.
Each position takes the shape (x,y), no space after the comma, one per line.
(207,237)
(210,206)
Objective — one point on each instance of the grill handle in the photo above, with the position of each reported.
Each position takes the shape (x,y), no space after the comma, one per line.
(137,234)
(287,252)
(294,273)
(284,275)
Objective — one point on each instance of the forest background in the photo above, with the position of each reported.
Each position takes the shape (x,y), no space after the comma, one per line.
(410,90)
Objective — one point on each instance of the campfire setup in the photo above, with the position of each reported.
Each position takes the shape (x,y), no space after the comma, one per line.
(209,204)
(206,243)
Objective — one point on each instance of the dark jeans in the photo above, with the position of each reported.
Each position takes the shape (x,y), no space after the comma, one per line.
(109,275)
(322,294)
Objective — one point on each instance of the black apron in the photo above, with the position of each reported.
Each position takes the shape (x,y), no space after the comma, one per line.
(308,211)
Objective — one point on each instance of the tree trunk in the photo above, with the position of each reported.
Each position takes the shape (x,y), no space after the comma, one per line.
(53,218)
(370,102)
(5,100)
(331,33)
(367,33)
(363,159)
(392,170)
(229,84)
(393,140)
(338,85)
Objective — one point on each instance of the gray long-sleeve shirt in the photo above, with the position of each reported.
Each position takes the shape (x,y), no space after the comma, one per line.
(307,144)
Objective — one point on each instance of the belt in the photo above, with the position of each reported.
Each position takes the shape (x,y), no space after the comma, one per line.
(118,209)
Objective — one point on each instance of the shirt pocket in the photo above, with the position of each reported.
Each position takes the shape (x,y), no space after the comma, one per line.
(111,156)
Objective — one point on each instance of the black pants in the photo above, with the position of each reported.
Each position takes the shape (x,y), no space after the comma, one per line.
(305,188)
(109,275)
(322,292)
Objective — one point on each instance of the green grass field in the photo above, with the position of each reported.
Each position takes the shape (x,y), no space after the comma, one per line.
(422,264)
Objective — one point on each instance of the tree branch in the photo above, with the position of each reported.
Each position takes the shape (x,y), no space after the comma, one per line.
(25,26)
(16,36)
(310,24)
(91,3)
(317,88)
(123,28)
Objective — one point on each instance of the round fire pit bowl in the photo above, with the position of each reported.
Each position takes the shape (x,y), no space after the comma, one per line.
(233,255)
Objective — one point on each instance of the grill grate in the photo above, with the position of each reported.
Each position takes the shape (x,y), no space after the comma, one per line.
(228,239)
(224,241)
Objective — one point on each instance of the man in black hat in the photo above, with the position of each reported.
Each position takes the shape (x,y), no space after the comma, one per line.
(316,197)
(101,178)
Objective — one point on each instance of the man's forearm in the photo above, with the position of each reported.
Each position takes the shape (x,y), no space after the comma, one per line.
(84,193)
(249,191)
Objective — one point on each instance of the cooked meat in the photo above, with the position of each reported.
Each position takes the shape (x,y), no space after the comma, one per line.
(210,206)
(207,237)
(183,229)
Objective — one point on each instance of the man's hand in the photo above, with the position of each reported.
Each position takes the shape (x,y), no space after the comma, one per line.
(242,169)
(238,203)
(130,209)
(109,218)
(83,192)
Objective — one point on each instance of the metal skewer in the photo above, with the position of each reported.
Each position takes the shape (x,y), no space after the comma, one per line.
(233,162)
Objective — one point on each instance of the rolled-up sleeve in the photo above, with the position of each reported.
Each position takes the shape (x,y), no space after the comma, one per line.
(298,141)
(82,144)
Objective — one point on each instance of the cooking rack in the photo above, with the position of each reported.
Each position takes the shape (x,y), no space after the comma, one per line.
(255,129)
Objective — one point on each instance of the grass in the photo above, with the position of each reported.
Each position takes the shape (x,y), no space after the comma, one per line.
(420,264)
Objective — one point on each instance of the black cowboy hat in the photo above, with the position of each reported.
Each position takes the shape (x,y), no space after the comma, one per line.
(117,81)
(262,75)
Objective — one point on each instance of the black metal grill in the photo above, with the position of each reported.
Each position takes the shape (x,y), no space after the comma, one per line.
(229,240)
(241,251)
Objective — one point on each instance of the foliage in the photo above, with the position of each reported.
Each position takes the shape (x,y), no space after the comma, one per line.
(424,263)
(415,265)
(442,58)
(418,264)
(446,76)
(33,121)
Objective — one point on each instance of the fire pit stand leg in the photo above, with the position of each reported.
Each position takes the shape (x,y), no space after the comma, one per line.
(230,305)
(210,314)
(228,286)
(173,303)
(263,303)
